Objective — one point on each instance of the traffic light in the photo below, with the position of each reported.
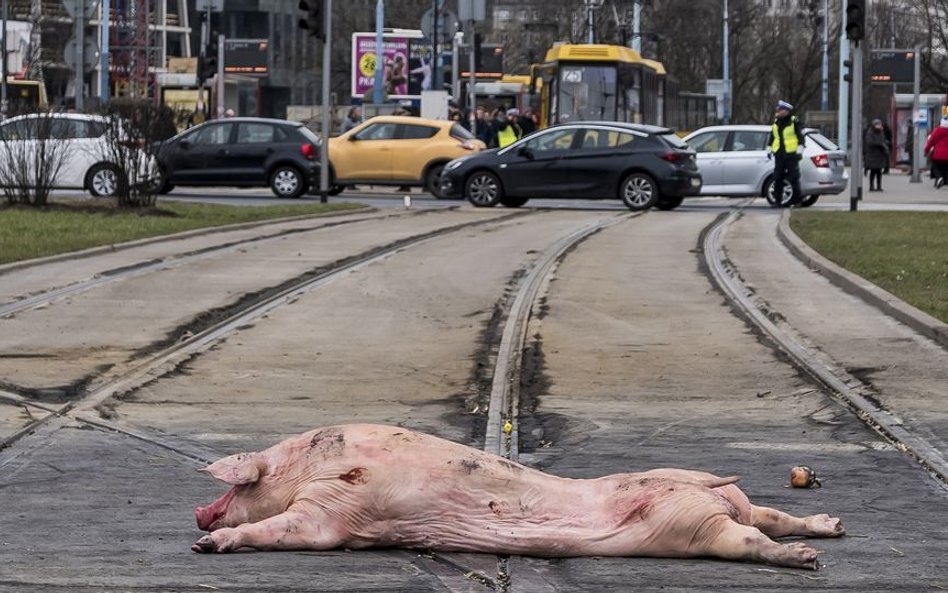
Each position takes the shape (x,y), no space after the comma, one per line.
(314,20)
(207,67)
(848,75)
(477,51)
(856,19)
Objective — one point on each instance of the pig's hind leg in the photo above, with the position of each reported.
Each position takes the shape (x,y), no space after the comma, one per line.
(779,524)
(734,541)
(295,529)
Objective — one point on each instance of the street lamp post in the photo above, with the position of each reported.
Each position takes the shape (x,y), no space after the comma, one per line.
(824,97)
(726,75)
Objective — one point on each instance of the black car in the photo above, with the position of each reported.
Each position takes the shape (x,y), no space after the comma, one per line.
(242,152)
(641,165)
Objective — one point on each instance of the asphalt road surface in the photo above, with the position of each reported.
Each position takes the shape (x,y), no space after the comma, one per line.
(634,359)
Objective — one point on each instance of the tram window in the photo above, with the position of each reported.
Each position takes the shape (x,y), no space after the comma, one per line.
(587,93)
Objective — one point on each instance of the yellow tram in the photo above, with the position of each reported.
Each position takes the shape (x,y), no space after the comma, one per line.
(584,82)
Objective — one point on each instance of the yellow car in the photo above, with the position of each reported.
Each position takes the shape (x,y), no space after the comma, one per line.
(397,150)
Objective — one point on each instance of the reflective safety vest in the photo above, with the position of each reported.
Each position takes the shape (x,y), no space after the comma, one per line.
(507,136)
(790,141)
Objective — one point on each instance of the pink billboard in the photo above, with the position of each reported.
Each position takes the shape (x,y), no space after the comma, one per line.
(404,62)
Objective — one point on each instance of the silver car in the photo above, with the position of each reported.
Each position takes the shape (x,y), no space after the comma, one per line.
(734,161)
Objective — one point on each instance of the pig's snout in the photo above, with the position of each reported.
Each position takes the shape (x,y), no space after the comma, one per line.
(206,516)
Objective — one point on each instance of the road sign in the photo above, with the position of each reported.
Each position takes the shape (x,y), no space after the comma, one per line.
(86,8)
(212,5)
(921,118)
(90,54)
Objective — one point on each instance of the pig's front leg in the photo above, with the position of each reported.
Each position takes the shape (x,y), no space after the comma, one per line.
(296,529)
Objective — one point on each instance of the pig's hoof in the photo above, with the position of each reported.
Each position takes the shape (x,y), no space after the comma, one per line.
(204,545)
(800,555)
(825,526)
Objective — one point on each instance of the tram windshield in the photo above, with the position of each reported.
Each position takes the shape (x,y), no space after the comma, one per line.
(586,93)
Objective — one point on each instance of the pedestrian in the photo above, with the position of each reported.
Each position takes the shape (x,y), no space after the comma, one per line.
(887,131)
(937,149)
(875,150)
(506,128)
(229,112)
(352,119)
(484,128)
(786,144)
(527,123)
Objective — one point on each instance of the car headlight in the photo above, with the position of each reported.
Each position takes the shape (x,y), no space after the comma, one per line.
(454,165)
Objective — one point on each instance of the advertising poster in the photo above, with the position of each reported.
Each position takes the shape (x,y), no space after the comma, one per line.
(406,62)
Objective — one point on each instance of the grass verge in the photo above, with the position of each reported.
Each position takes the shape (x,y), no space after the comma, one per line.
(905,253)
(27,233)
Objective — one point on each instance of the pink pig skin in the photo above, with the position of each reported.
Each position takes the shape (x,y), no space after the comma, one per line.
(362,485)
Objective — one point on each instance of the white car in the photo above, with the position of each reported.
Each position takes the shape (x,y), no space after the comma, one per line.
(734,161)
(80,140)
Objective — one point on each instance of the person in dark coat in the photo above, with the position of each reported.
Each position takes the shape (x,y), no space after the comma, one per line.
(876,153)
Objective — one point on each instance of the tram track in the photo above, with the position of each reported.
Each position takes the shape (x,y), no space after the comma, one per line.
(176,260)
(503,400)
(191,340)
(852,392)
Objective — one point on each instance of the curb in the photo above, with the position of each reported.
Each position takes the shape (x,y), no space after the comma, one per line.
(59,257)
(859,287)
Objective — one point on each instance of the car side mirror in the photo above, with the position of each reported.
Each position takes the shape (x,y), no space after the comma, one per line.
(352,138)
(525,152)
(185,144)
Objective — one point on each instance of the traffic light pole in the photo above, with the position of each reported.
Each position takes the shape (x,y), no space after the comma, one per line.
(916,157)
(855,172)
(202,57)
(325,124)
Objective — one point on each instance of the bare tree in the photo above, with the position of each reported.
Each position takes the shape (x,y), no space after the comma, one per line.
(135,129)
(32,156)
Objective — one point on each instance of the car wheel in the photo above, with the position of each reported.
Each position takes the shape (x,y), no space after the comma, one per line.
(513,202)
(639,192)
(104,180)
(669,203)
(161,184)
(483,189)
(287,182)
(433,181)
(785,198)
(808,201)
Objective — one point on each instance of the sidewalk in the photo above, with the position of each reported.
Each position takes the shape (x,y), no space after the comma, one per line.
(898,190)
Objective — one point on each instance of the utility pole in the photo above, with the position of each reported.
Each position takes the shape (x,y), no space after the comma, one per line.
(824,96)
(843,89)
(3,69)
(379,52)
(80,19)
(917,132)
(637,26)
(726,74)
(104,24)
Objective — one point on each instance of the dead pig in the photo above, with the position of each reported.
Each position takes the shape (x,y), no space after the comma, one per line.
(361,485)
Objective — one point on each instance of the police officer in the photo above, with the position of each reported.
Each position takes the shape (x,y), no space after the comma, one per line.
(506,127)
(786,144)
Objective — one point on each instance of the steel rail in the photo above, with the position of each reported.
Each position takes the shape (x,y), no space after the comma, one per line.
(847,389)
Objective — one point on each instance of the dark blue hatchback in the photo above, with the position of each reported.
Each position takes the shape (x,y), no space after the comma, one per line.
(644,166)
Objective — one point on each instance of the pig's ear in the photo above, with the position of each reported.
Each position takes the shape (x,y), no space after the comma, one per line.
(242,468)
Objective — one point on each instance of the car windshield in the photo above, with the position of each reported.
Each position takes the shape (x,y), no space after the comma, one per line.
(824,142)
(587,93)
